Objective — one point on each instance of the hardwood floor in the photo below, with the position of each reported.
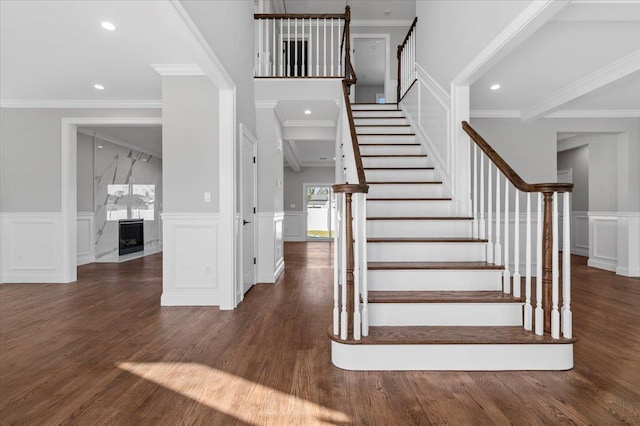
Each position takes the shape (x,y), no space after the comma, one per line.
(102,351)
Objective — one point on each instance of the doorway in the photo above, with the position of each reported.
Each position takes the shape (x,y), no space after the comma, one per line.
(320,210)
(371,60)
(248,197)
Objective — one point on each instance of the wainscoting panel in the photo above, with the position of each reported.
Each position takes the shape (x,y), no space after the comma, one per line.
(580,233)
(603,240)
(270,256)
(31,247)
(189,262)
(86,238)
(294,226)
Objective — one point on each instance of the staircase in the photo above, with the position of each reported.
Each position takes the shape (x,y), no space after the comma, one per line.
(434,302)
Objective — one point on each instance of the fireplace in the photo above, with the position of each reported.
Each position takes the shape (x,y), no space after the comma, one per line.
(131,236)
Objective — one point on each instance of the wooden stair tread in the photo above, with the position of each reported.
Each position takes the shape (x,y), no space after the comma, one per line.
(383,125)
(420,218)
(373,103)
(389,144)
(379,266)
(451,336)
(442,297)
(426,240)
(399,168)
(394,155)
(425,182)
(386,134)
(388,117)
(409,199)
(376,110)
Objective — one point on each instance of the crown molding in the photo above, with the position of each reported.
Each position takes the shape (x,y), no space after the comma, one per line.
(119,142)
(266,104)
(597,79)
(79,103)
(308,123)
(177,69)
(494,113)
(565,113)
(381,23)
(594,113)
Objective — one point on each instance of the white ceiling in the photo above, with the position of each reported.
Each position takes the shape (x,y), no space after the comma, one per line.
(314,153)
(291,113)
(53,50)
(582,40)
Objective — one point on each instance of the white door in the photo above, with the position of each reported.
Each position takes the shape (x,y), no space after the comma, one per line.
(248,176)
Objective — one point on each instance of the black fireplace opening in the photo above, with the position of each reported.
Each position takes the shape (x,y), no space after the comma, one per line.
(131,236)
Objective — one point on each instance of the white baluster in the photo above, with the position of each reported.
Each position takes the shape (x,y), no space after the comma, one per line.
(275,52)
(288,61)
(339,42)
(259,67)
(539,311)
(481,223)
(304,53)
(332,69)
(343,270)
(325,47)
(555,314)
(357,249)
(527,280)
(497,250)
(566,270)
(475,190)
(267,54)
(295,47)
(506,281)
(281,49)
(489,214)
(365,284)
(317,47)
(337,267)
(516,249)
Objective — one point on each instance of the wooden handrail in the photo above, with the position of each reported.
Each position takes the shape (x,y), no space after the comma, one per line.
(506,169)
(298,16)
(406,38)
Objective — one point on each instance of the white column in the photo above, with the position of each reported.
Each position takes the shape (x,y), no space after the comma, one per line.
(566,271)
(343,271)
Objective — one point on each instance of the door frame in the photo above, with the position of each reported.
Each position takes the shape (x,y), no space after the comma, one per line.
(306,215)
(245,134)
(387,73)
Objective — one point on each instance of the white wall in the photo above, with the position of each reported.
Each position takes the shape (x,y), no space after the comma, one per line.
(577,160)
(227,26)
(367,94)
(452,33)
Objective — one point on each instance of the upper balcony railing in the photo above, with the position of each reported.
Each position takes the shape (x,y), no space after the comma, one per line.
(301,46)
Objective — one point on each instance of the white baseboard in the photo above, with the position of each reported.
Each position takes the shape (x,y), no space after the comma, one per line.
(607,265)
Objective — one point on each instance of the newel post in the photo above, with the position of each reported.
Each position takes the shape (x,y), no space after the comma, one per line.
(547,258)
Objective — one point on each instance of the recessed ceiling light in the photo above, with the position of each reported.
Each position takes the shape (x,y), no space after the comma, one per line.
(307,111)
(334,158)
(108,26)
(495,86)
(98,86)
(100,146)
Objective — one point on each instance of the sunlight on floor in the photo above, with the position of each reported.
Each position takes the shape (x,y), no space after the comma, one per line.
(234,396)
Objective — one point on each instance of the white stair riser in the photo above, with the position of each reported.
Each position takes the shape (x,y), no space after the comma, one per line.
(400,175)
(445,314)
(387,139)
(396,162)
(392,130)
(378,121)
(379,113)
(426,252)
(386,107)
(476,357)
(391,150)
(418,228)
(434,280)
(405,191)
(408,208)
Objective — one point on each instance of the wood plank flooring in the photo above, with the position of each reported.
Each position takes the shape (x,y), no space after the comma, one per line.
(102,351)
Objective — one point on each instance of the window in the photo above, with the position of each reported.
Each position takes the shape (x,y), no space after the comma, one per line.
(129,201)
